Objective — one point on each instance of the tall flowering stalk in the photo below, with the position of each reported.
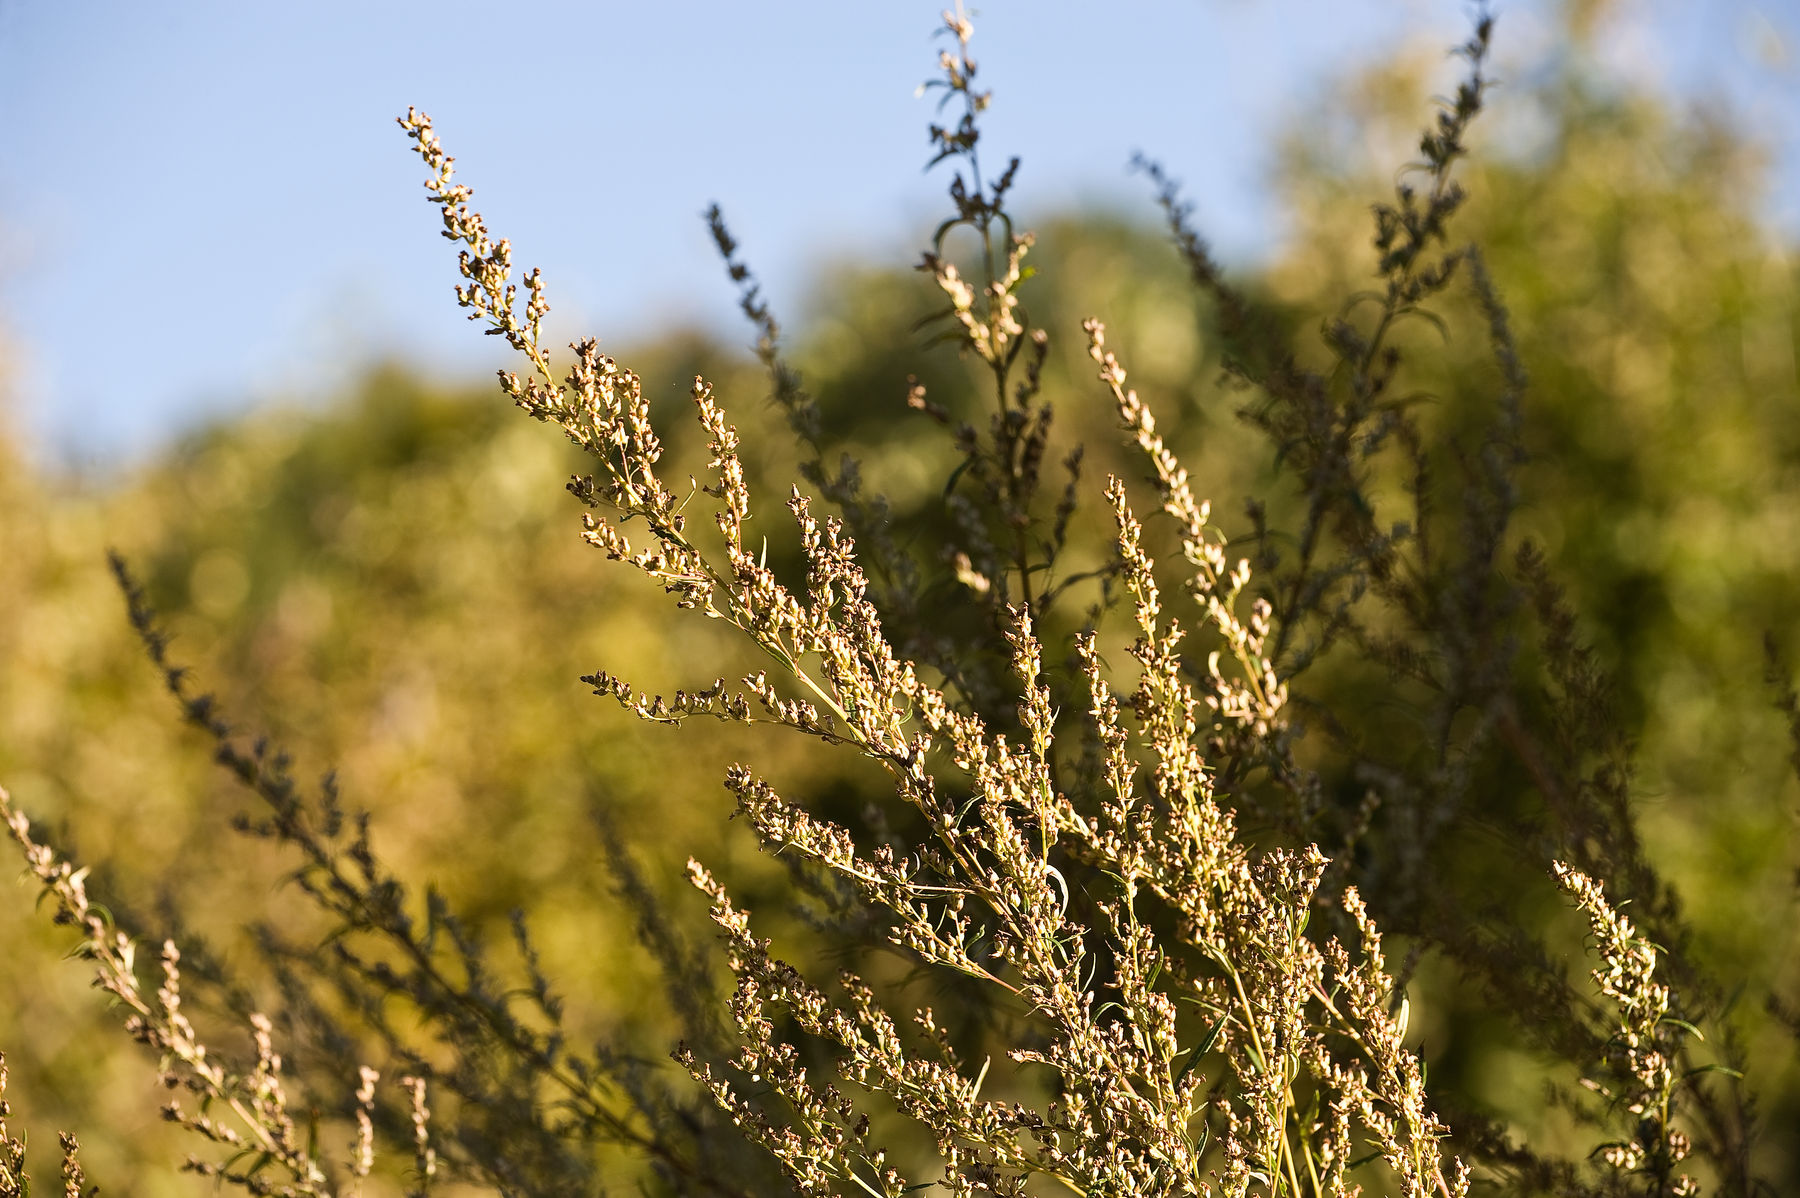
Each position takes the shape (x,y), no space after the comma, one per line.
(242,1112)
(1644,1043)
(1194,1037)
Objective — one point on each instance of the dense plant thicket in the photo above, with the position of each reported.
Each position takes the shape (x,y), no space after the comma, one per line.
(1100,809)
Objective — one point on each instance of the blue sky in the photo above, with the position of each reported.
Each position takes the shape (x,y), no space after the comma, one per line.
(207,204)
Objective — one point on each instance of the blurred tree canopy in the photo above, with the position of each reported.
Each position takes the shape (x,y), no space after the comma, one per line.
(394,588)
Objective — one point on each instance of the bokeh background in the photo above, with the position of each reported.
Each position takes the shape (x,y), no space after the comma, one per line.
(228,349)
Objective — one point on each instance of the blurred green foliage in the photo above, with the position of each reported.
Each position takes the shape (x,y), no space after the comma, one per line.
(394,587)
